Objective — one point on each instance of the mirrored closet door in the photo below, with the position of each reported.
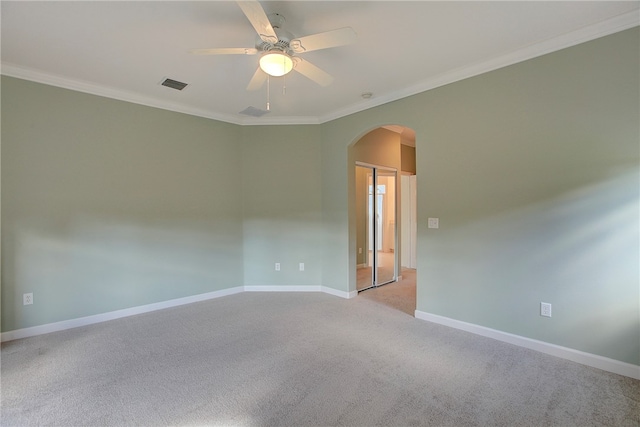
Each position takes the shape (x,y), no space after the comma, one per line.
(376,233)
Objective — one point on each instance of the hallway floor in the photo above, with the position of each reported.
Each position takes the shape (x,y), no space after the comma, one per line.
(400,295)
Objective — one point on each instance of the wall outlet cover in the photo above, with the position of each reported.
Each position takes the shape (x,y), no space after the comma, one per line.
(545,309)
(27,299)
(433,222)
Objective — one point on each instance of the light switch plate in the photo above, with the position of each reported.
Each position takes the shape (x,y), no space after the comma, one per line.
(433,223)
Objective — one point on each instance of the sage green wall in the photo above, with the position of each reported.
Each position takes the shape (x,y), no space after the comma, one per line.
(281,205)
(533,170)
(108,205)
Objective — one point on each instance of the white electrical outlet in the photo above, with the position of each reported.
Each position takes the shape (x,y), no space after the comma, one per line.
(433,223)
(27,299)
(277,266)
(545,309)
(302,266)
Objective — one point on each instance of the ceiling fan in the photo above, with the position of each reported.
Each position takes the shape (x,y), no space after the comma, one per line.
(279,47)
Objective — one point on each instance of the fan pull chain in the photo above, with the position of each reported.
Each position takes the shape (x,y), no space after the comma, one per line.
(284,84)
(268,91)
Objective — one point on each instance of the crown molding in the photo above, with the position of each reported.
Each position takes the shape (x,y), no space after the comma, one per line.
(12,70)
(582,35)
(585,34)
(285,120)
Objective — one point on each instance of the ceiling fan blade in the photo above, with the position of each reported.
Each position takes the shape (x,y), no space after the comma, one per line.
(258,18)
(225,51)
(257,80)
(324,40)
(312,72)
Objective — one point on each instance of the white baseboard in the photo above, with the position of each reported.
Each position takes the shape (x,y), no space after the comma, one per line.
(310,288)
(103,317)
(337,293)
(593,360)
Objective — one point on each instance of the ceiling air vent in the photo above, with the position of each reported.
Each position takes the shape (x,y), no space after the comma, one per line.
(174,84)
(253,112)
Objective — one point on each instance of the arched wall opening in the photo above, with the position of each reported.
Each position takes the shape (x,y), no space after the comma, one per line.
(390,150)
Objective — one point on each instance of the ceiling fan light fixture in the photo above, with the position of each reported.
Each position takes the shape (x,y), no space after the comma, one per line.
(276,64)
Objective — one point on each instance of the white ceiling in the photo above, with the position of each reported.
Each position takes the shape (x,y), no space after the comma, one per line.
(125,49)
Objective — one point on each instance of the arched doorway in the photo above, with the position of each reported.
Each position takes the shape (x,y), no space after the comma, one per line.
(385,234)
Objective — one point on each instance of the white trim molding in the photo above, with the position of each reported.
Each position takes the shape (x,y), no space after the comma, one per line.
(591,32)
(132,311)
(582,35)
(593,360)
(112,315)
(338,293)
(311,288)
(37,76)
(258,288)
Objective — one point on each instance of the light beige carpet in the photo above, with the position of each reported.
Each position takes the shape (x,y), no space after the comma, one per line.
(297,359)
(400,295)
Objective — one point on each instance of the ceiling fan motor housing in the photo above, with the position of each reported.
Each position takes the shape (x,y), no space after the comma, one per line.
(284,38)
